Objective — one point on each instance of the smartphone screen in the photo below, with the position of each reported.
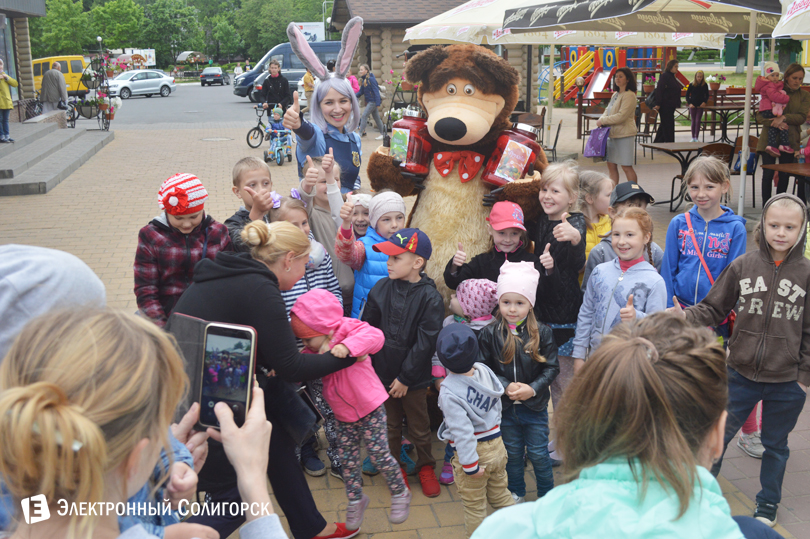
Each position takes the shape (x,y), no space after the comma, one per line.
(227,372)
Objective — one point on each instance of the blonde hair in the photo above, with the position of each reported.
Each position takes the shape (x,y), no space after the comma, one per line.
(568,172)
(512,342)
(645,223)
(786,202)
(271,242)
(711,168)
(286,204)
(247,164)
(318,162)
(79,390)
(702,79)
(590,182)
(649,395)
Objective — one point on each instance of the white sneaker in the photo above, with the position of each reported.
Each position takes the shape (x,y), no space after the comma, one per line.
(751,444)
(518,499)
(378,138)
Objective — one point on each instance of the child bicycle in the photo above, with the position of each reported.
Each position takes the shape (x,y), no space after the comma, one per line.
(280,146)
(257,135)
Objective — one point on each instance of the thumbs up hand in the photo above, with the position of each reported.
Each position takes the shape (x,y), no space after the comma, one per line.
(676,308)
(310,178)
(628,312)
(460,257)
(346,212)
(565,231)
(546,259)
(328,164)
(292,118)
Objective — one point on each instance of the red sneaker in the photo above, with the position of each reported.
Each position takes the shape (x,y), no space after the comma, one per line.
(340,533)
(430,485)
(405,478)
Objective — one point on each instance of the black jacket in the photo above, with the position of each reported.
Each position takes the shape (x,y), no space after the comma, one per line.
(236,289)
(487,266)
(697,95)
(668,91)
(523,368)
(276,90)
(410,315)
(235,224)
(559,296)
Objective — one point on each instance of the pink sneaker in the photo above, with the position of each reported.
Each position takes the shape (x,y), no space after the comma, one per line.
(446,477)
(786,149)
(355,513)
(400,507)
(773,151)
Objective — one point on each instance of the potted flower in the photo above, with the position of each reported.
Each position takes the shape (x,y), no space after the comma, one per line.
(101,101)
(607,93)
(91,78)
(715,80)
(735,90)
(648,84)
(115,104)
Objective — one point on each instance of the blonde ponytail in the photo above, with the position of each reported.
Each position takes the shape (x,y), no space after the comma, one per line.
(78,391)
(271,242)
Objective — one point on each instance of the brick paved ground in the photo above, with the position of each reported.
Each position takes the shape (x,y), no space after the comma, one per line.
(96,213)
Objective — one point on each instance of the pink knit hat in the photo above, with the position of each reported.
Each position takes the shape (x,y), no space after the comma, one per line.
(182,194)
(477,297)
(519,277)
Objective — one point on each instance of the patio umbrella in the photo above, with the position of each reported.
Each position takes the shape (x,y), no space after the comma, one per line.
(795,21)
(479,21)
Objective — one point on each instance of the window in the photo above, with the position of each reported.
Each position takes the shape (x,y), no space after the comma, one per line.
(326,56)
(37,70)
(139,76)
(76,66)
(278,58)
(153,75)
(64,65)
(295,63)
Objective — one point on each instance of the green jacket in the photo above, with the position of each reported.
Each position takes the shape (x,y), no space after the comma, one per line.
(604,503)
(5,93)
(795,115)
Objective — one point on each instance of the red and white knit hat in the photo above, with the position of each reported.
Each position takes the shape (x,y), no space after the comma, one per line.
(182,194)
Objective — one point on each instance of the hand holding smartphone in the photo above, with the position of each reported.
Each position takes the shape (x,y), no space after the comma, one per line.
(229,362)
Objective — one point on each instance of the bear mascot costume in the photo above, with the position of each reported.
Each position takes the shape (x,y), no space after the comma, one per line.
(468,94)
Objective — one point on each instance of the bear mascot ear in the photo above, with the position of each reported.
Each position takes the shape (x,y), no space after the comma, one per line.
(418,68)
(498,68)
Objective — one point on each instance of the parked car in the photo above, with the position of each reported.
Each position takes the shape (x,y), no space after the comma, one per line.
(214,75)
(72,68)
(291,66)
(146,82)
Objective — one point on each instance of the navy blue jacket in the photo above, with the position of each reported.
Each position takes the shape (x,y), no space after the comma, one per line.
(370,89)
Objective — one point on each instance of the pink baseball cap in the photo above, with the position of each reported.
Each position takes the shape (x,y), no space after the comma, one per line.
(506,215)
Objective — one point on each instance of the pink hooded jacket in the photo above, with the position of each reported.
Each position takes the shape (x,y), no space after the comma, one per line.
(356,391)
(771,93)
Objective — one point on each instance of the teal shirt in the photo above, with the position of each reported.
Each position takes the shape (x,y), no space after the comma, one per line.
(604,503)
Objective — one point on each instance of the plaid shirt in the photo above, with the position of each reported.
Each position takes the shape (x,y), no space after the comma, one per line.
(165,260)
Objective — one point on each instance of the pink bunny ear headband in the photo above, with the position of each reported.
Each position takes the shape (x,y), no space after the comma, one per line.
(348,46)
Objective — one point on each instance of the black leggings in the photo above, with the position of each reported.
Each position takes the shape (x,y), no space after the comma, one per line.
(289,486)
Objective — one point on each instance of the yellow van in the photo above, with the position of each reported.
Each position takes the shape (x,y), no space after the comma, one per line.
(72,67)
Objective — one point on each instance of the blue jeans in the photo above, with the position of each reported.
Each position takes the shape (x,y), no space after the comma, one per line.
(523,428)
(4,132)
(781,405)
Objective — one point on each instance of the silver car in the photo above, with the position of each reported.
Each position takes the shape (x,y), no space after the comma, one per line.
(146,82)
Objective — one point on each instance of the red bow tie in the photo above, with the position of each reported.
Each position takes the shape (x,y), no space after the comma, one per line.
(469,163)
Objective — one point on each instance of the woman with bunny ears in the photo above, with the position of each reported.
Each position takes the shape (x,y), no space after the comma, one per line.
(335,112)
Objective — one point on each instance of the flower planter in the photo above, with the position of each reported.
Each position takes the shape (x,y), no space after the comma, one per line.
(91,83)
(406,86)
(735,91)
(104,106)
(110,73)
(648,88)
(714,86)
(602,95)
(88,111)
(109,115)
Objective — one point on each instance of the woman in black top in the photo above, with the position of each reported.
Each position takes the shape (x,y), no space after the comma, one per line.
(667,99)
(244,288)
(697,95)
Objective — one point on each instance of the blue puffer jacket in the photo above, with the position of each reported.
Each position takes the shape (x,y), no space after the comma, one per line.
(604,502)
(369,89)
(721,240)
(374,269)
(607,293)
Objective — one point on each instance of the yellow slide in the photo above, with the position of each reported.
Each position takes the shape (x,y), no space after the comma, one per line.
(580,68)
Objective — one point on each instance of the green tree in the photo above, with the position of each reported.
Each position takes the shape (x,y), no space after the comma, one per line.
(263,23)
(119,22)
(226,38)
(171,28)
(64,30)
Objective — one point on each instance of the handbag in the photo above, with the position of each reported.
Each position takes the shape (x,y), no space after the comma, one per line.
(732,316)
(650,101)
(597,142)
(61,105)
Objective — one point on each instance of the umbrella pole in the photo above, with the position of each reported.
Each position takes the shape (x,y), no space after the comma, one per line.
(749,85)
(550,106)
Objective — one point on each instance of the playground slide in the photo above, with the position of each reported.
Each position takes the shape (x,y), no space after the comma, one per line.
(598,82)
(580,68)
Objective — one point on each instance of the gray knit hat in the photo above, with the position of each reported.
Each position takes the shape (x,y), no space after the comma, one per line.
(383,203)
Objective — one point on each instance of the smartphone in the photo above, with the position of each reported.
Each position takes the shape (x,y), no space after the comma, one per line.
(229,361)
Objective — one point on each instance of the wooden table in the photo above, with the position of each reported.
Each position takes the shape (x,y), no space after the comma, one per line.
(682,151)
(725,112)
(801,171)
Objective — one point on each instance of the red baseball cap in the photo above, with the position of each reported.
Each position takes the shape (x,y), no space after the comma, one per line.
(506,215)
